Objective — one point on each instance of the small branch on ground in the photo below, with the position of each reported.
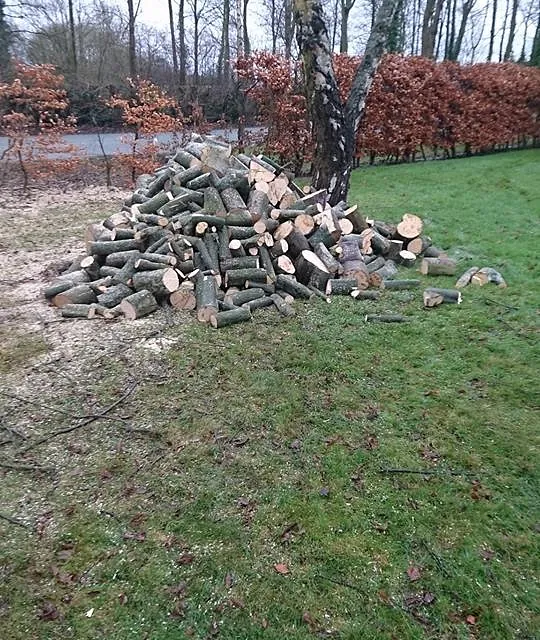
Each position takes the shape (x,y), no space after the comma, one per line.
(429,472)
(14,521)
(84,423)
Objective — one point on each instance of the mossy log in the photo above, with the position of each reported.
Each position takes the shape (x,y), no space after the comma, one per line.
(244,262)
(258,204)
(212,202)
(387,271)
(266,263)
(247,295)
(200,182)
(406,258)
(138,305)
(259,303)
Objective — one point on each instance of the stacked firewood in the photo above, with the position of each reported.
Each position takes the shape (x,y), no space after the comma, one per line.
(225,235)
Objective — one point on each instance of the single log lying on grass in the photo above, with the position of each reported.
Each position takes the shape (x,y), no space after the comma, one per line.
(341,287)
(227,318)
(438,267)
(488,274)
(358,294)
(432,295)
(465,278)
(138,305)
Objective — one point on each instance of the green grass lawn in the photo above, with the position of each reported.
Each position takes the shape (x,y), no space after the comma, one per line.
(276,435)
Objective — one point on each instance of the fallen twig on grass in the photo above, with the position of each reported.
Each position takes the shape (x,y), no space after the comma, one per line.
(14,521)
(429,472)
(84,423)
(500,304)
(19,466)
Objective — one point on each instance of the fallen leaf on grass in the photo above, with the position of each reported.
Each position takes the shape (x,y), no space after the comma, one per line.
(48,611)
(281,568)
(370,442)
(290,532)
(138,536)
(185,558)
(479,492)
(487,554)
(470,620)
(414,573)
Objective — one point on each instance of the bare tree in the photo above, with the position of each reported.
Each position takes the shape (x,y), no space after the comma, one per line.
(455,47)
(503,32)
(73,42)
(247,43)
(172,28)
(132,43)
(511,31)
(430,26)
(492,31)
(182,49)
(224,64)
(5,43)
(346,6)
(334,124)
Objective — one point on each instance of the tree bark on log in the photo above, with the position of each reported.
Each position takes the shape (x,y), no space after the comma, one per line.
(388,317)
(357,294)
(206,296)
(399,285)
(112,246)
(465,279)
(239,277)
(448,295)
(184,297)
(283,307)
(76,311)
(340,287)
(290,285)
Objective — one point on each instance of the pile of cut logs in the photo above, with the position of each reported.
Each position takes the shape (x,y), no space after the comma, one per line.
(226,234)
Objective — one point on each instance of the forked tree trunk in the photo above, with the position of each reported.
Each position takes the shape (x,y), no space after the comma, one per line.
(334,124)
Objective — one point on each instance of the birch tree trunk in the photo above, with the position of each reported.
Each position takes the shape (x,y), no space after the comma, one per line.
(334,124)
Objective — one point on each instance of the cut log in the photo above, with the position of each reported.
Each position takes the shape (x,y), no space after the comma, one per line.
(385,229)
(266,263)
(305,224)
(238,277)
(76,310)
(388,271)
(112,246)
(492,276)
(465,279)
(227,318)
(205,293)
(277,189)
(213,203)
(159,283)
(317,197)
(80,294)
(247,295)
(259,303)
(155,203)
(345,226)
(74,277)
(410,227)
(292,286)
(236,249)
(122,234)
(356,218)
(57,287)
(310,269)
(279,248)
(432,299)
(106,271)
(181,179)
(239,218)
(375,281)
(394,249)
(406,258)
(126,273)
(357,294)
(200,182)
(241,233)
(322,235)
(91,265)
(438,267)
(399,285)
(138,305)
(333,266)
(419,245)
(260,173)
(448,295)
(283,264)
(376,264)
(432,252)
(340,287)
(379,243)
(184,297)
(162,259)
(244,262)
(119,219)
(258,204)
(283,307)
(119,259)
(186,159)
(232,199)
(114,295)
